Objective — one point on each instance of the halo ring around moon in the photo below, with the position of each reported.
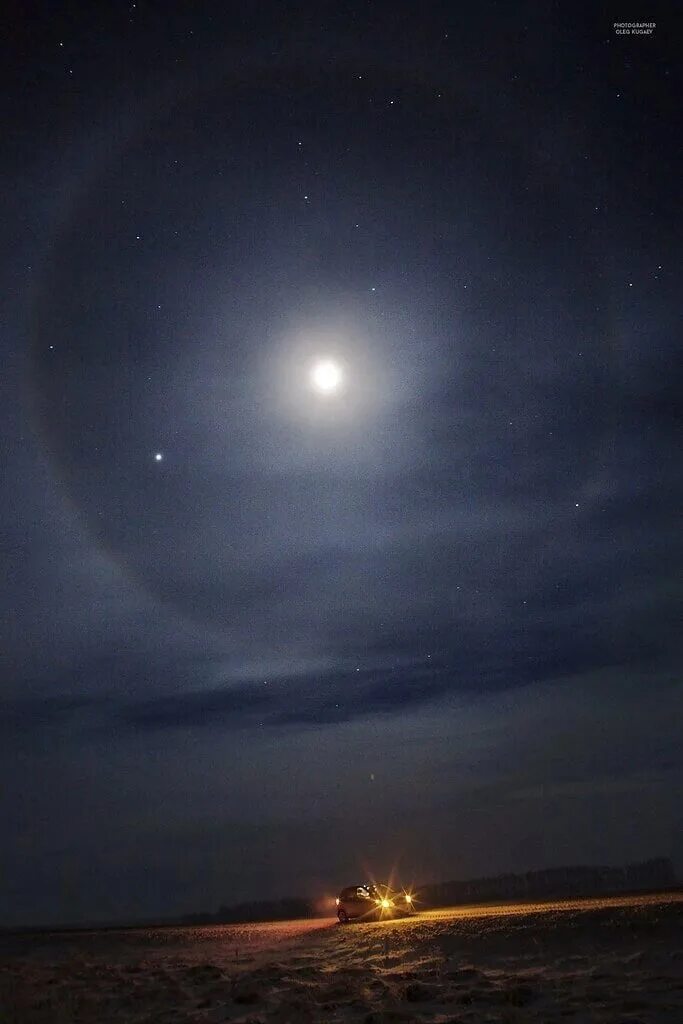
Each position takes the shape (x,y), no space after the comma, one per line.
(114,149)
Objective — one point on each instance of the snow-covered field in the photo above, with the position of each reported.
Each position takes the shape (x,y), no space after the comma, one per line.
(617,960)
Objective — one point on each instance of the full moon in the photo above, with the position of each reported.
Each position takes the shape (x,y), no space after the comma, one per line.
(326,376)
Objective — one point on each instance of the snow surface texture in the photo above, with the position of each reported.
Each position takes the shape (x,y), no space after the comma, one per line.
(591,962)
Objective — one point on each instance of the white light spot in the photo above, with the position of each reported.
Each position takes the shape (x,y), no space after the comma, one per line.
(326,376)
(158,457)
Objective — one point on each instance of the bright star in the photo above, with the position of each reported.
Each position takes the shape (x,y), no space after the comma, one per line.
(326,376)
(158,457)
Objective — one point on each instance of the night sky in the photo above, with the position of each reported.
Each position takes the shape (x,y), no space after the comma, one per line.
(259,638)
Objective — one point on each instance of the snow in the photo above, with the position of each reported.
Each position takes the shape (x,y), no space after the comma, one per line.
(591,962)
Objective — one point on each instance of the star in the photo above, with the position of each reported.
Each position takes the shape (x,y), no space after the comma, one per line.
(158,457)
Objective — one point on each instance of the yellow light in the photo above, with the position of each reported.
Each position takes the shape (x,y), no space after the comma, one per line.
(337,901)
(409,898)
(386,903)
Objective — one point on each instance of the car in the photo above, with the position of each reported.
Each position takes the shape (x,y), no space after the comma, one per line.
(373,901)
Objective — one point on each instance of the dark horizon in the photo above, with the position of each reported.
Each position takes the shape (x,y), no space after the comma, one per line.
(341,507)
(584,881)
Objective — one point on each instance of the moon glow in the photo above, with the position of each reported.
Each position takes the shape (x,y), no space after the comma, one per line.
(326,376)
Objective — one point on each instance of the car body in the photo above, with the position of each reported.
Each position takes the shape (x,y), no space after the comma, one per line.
(373,901)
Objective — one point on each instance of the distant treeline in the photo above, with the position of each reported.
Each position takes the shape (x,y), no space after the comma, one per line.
(554,882)
(548,884)
(261,910)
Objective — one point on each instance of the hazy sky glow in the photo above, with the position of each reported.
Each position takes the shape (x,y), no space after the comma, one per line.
(341,486)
